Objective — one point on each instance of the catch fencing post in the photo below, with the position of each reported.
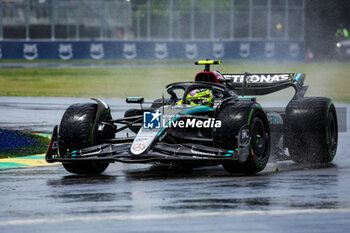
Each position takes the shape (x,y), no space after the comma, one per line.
(148,19)
(53,18)
(27,18)
(138,24)
(232,20)
(268,19)
(102,18)
(250,19)
(171,19)
(1,31)
(78,19)
(286,15)
(212,19)
(303,20)
(192,20)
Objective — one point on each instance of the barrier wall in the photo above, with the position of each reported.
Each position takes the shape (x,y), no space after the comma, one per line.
(66,50)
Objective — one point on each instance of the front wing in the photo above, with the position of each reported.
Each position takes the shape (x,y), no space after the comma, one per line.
(158,152)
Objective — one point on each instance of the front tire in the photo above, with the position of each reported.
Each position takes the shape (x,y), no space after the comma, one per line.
(76,132)
(233,117)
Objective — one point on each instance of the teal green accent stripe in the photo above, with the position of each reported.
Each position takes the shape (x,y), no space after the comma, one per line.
(90,132)
(134,97)
(160,132)
(250,115)
(329,106)
(330,153)
(167,125)
(230,153)
(297,78)
(11,165)
(259,107)
(327,133)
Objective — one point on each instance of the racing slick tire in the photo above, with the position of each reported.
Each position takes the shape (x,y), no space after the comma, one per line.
(76,132)
(311,132)
(233,117)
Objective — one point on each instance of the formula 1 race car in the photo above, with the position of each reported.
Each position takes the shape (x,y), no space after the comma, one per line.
(206,122)
(343,50)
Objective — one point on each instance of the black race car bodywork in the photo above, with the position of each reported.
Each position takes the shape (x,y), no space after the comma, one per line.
(239,134)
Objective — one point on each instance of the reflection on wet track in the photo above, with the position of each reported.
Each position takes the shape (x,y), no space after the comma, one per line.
(153,198)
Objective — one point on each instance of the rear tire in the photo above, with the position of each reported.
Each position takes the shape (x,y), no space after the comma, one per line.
(75,132)
(311,130)
(233,117)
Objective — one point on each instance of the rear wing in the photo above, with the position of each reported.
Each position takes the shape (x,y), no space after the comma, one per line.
(262,84)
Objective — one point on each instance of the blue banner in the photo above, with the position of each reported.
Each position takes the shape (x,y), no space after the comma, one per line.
(285,50)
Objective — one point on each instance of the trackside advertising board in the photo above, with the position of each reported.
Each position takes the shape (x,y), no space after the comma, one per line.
(285,50)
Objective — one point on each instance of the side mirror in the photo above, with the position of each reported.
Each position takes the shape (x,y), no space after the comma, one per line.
(134,100)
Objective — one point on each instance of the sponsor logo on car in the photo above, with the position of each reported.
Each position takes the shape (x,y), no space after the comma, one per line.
(141,139)
(200,152)
(257,78)
(154,120)
(138,147)
(192,123)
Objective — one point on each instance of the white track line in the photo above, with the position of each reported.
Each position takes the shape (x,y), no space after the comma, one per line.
(172,216)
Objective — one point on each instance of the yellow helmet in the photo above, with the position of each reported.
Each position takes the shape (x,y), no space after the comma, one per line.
(199,97)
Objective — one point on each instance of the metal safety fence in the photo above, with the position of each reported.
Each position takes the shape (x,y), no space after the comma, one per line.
(152,19)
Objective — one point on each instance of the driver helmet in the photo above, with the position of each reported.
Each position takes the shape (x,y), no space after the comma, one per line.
(200,97)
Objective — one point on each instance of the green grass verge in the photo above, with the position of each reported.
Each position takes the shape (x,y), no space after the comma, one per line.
(331,80)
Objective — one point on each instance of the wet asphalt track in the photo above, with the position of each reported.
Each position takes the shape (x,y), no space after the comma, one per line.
(145,198)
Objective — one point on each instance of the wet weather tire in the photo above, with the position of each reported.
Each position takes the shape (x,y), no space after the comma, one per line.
(76,132)
(235,116)
(311,133)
